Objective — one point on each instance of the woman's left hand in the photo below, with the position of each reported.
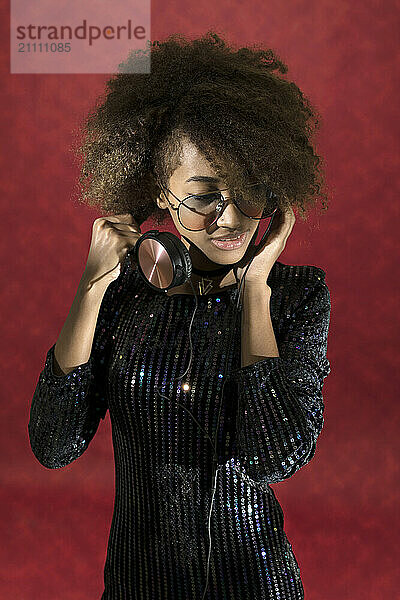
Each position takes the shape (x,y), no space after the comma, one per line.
(266,255)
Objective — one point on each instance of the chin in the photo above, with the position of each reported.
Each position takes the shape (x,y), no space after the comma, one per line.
(226,257)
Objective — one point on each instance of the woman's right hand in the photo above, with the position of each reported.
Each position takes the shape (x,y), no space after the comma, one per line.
(112,238)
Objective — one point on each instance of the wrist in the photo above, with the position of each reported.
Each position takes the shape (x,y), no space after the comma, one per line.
(260,286)
(90,288)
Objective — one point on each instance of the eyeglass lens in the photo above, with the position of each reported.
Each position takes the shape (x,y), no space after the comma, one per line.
(197,212)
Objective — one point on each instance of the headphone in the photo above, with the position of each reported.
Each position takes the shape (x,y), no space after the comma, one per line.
(163,262)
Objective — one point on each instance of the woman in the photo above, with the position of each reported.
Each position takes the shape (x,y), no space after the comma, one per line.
(208,120)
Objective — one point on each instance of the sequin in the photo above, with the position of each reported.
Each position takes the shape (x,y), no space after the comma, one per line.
(271,414)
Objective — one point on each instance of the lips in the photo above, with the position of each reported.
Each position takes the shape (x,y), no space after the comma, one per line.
(229,237)
(229,243)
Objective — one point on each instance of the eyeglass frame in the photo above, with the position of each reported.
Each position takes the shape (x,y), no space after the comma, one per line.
(220,211)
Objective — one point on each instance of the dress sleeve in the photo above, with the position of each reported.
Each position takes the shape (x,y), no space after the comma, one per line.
(66,410)
(280,409)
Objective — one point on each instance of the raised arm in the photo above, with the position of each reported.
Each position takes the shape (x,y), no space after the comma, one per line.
(280,409)
(71,393)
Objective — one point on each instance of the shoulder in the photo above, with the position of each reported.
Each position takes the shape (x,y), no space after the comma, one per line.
(294,285)
(281,272)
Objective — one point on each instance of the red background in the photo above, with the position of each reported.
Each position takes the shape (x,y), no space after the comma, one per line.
(341,510)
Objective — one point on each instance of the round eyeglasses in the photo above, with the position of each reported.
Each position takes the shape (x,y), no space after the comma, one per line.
(200,211)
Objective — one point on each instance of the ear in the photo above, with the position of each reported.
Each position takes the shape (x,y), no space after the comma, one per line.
(161,202)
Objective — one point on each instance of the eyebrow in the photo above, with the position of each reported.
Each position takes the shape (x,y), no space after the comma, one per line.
(203,178)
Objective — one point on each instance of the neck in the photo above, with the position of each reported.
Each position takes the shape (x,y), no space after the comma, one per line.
(202,265)
(211,273)
(207,276)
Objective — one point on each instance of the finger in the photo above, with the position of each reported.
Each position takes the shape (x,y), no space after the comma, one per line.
(122,218)
(289,214)
(281,227)
(290,219)
(126,227)
(126,217)
(132,235)
(284,220)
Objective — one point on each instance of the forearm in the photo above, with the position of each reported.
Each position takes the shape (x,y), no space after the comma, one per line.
(74,344)
(258,337)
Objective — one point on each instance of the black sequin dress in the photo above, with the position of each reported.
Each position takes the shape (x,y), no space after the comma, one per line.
(271,414)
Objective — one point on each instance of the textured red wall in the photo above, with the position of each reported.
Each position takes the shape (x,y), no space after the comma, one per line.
(341,509)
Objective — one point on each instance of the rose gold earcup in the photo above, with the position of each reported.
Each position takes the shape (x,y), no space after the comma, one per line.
(155,263)
(163,261)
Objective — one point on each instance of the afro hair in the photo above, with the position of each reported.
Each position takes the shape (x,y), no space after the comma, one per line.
(233,104)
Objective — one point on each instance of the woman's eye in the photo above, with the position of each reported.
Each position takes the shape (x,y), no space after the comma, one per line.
(211,197)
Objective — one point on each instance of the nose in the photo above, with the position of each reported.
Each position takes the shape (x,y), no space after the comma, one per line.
(230,215)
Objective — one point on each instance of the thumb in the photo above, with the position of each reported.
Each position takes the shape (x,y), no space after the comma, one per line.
(129,219)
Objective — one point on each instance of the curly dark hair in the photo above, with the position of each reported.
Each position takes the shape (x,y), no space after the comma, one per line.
(249,122)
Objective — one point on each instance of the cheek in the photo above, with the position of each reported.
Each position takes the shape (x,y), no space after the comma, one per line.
(174,216)
(204,244)
(252,233)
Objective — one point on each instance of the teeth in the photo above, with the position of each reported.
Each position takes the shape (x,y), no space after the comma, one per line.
(230,239)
